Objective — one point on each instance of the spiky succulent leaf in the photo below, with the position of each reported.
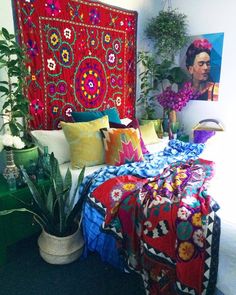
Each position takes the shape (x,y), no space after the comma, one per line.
(54,207)
(71,200)
(79,204)
(35,193)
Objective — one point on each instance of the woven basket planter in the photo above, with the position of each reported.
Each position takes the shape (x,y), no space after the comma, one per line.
(60,250)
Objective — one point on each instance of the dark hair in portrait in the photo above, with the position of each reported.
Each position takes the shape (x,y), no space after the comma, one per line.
(191,53)
(198,64)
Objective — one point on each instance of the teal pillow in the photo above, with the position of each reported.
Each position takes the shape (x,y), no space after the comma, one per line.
(112,114)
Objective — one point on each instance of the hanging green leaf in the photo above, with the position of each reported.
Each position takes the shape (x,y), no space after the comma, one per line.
(6,33)
(4,89)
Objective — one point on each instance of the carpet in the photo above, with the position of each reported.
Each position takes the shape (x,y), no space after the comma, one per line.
(25,273)
(82,56)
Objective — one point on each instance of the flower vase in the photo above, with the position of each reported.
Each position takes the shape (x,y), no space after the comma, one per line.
(172,121)
(173,125)
(165,122)
(172,116)
(10,170)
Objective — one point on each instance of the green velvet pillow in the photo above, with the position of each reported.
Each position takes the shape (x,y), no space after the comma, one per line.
(112,114)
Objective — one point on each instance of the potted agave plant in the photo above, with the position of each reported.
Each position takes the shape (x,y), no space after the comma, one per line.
(57,210)
(13,93)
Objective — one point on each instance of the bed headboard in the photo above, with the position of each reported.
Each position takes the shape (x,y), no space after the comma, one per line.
(82,57)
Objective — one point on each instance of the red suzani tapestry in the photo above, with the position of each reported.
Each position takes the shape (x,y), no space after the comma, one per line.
(82,58)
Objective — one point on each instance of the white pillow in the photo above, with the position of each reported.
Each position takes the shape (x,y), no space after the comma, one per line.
(56,142)
(125,121)
(159,146)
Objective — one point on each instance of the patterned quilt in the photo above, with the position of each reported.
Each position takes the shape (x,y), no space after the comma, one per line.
(165,226)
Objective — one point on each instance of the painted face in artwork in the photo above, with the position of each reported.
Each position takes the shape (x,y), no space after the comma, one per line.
(201,67)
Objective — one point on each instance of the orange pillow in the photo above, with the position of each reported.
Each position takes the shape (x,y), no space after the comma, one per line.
(122,146)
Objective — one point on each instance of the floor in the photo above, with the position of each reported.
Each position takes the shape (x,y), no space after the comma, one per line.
(27,274)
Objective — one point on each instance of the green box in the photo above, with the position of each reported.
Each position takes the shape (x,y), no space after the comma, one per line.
(184,137)
(16,226)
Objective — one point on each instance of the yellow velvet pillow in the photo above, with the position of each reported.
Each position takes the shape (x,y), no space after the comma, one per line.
(85,141)
(148,133)
(157,124)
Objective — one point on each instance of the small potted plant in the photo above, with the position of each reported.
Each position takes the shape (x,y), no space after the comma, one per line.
(13,89)
(57,210)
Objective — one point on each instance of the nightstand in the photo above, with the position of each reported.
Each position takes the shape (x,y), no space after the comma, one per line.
(15,226)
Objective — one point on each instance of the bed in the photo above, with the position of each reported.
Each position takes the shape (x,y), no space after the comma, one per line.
(153,216)
(133,233)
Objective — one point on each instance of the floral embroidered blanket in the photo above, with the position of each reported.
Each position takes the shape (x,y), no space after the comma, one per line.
(82,57)
(166,226)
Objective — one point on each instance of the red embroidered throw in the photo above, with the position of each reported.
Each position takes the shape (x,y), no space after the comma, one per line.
(164,226)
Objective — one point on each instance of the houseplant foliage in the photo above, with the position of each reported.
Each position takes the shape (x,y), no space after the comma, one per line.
(168,32)
(147,77)
(152,80)
(15,107)
(57,210)
(13,59)
(53,207)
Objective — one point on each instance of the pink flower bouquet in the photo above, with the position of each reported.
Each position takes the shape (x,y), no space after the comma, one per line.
(171,100)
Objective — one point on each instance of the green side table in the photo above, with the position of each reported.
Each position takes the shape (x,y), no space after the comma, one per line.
(16,226)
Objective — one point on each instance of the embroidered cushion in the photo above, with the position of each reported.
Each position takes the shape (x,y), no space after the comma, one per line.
(122,146)
(148,133)
(132,124)
(112,114)
(85,141)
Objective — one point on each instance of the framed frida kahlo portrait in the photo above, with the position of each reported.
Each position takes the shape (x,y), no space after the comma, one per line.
(201,60)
